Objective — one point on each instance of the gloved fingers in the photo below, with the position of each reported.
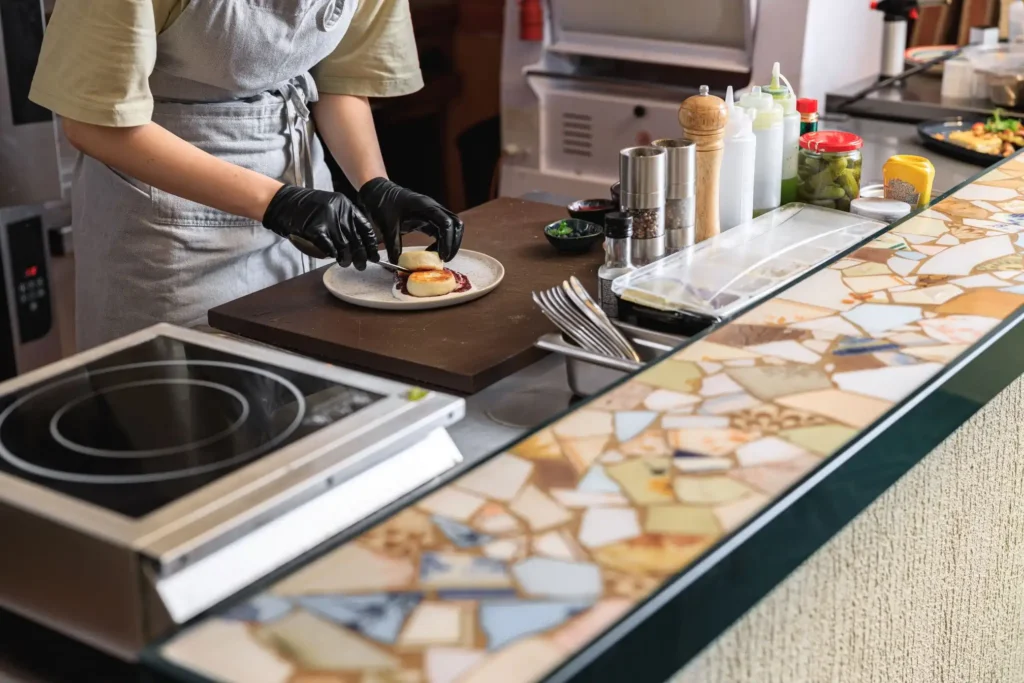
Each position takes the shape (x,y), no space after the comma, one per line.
(324,244)
(443,226)
(393,244)
(460,228)
(367,237)
(344,249)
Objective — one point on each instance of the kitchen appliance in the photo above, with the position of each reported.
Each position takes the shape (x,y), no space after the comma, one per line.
(34,160)
(582,79)
(145,480)
(721,277)
(28,333)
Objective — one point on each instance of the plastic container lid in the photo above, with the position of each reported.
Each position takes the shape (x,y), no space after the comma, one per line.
(806,105)
(780,91)
(885,210)
(740,122)
(618,226)
(763,106)
(831,142)
(722,275)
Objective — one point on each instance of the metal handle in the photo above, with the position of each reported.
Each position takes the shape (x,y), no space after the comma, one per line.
(556,344)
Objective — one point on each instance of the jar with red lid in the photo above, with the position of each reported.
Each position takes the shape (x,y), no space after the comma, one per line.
(829,168)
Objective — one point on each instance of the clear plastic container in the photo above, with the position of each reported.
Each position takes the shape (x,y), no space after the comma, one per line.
(718,278)
(829,169)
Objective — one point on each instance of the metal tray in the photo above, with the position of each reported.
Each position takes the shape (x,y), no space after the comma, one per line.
(591,373)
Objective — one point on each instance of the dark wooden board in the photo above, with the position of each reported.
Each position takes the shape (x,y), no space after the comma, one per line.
(462,349)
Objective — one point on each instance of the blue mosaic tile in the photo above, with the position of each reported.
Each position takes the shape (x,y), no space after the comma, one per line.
(505,622)
(597,481)
(853,346)
(630,423)
(262,609)
(460,534)
(379,616)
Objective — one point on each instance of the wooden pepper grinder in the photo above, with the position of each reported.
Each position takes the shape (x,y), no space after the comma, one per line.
(703,119)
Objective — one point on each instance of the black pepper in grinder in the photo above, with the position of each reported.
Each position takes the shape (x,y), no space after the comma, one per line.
(643,175)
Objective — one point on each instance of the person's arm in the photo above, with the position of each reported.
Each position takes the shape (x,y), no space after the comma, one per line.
(157,157)
(346,124)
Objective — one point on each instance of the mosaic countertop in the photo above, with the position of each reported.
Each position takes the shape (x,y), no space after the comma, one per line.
(511,569)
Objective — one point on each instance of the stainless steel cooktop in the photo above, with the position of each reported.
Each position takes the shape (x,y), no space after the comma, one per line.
(147,479)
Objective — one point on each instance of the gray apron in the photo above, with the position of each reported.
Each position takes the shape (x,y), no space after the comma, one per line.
(231,77)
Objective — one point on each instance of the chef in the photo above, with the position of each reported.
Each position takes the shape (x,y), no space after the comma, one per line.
(200,177)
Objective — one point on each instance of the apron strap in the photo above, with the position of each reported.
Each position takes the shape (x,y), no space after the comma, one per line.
(297,94)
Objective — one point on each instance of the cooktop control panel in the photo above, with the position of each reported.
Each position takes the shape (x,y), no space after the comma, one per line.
(26,257)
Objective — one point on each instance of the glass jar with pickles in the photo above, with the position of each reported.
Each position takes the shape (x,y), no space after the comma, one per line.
(829,168)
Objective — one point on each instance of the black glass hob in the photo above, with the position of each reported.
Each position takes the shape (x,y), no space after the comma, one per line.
(152,423)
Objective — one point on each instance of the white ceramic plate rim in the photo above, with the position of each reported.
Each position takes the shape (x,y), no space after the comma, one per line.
(425,303)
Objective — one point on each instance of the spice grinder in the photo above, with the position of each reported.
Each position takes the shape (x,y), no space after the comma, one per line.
(680,208)
(643,173)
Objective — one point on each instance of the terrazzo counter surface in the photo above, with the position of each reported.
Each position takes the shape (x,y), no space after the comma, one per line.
(616,542)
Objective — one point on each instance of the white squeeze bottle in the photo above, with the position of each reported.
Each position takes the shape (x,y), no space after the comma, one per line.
(1015,21)
(736,187)
(767,115)
(783,94)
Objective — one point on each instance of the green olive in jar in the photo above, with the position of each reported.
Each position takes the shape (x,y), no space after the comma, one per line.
(829,169)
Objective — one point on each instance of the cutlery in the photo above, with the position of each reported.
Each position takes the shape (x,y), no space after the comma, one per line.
(393,268)
(583,321)
(579,296)
(578,327)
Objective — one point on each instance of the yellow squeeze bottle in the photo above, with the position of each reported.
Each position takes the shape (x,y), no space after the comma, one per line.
(909,179)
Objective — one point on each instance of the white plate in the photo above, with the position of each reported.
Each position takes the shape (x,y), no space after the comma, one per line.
(375,287)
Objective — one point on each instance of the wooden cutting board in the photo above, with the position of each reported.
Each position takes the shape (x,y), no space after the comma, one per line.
(461,349)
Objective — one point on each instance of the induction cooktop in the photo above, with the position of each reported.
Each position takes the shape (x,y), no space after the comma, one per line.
(145,480)
(146,425)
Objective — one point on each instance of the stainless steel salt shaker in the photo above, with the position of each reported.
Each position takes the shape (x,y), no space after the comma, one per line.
(642,179)
(680,199)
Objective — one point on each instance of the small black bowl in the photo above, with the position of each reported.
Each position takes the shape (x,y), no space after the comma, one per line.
(584,236)
(593,210)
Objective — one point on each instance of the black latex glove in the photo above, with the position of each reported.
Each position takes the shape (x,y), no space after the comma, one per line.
(397,211)
(322,224)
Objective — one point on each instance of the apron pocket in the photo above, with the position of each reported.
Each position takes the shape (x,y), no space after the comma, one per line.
(174,210)
(250,134)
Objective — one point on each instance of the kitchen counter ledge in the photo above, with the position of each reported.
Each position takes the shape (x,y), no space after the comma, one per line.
(618,541)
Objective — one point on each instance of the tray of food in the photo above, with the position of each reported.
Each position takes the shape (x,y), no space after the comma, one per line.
(974,139)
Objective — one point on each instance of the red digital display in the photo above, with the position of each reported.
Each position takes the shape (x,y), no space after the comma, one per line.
(31,271)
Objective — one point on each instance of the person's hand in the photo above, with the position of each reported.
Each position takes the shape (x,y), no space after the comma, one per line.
(397,211)
(322,224)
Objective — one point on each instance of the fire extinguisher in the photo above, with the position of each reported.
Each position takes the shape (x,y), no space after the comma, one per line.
(531,21)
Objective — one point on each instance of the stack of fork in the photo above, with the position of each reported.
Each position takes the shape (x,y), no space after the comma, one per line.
(571,308)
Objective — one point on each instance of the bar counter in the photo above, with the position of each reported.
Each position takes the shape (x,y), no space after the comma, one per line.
(621,539)
(695,521)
